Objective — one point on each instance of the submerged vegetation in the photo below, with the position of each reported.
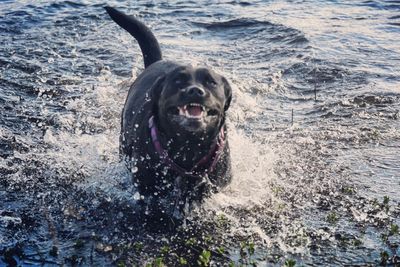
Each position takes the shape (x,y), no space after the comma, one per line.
(205,244)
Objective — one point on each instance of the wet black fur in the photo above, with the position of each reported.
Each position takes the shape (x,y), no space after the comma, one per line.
(148,97)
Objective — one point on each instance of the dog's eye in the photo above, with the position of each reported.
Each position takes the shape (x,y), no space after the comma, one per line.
(211,83)
(180,80)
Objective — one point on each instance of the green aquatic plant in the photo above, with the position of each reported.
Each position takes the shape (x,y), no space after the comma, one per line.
(183,261)
(385,203)
(289,263)
(332,217)
(164,250)
(222,220)
(250,248)
(394,230)
(247,250)
(191,241)
(357,242)
(138,246)
(348,190)
(158,262)
(208,239)
(79,244)
(221,250)
(384,258)
(204,258)
(54,251)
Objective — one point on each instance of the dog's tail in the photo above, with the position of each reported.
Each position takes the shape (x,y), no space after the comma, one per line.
(147,41)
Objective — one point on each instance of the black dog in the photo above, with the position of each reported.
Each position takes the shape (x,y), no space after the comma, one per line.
(173,126)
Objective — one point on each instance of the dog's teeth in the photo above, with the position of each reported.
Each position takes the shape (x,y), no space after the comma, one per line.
(184,110)
(195,105)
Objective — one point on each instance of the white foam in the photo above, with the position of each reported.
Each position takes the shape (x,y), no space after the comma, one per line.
(252,165)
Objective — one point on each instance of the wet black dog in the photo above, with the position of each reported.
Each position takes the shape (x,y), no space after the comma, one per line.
(173,127)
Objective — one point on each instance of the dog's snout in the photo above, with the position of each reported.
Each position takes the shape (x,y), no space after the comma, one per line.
(195,91)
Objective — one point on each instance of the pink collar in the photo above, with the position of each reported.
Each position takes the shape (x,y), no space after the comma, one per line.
(210,159)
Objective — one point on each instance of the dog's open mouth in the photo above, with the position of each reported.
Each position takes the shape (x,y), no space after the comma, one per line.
(193,111)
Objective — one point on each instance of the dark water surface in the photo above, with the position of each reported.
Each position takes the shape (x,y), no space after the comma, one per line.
(314,129)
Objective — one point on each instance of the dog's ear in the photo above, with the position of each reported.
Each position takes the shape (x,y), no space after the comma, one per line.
(228,93)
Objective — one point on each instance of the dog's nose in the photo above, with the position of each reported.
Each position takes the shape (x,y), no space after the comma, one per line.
(195,91)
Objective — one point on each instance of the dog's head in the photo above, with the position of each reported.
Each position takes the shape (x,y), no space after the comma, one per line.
(190,100)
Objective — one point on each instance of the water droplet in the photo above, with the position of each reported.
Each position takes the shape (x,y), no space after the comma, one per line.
(165,172)
(136,196)
(134,169)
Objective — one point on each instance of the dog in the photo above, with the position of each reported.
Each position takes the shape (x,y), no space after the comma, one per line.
(173,131)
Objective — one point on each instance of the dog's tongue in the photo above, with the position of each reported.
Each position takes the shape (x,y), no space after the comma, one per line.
(194,111)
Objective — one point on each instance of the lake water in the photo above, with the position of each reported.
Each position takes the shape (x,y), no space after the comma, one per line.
(314,130)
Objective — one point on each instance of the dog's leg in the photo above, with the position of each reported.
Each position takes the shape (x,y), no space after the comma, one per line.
(203,188)
(177,194)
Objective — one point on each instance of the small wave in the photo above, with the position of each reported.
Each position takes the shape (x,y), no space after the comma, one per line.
(19,13)
(65,5)
(395,17)
(240,3)
(235,23)
(385,4)
(275,32)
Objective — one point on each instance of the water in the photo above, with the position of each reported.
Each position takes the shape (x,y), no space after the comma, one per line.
(314,131)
